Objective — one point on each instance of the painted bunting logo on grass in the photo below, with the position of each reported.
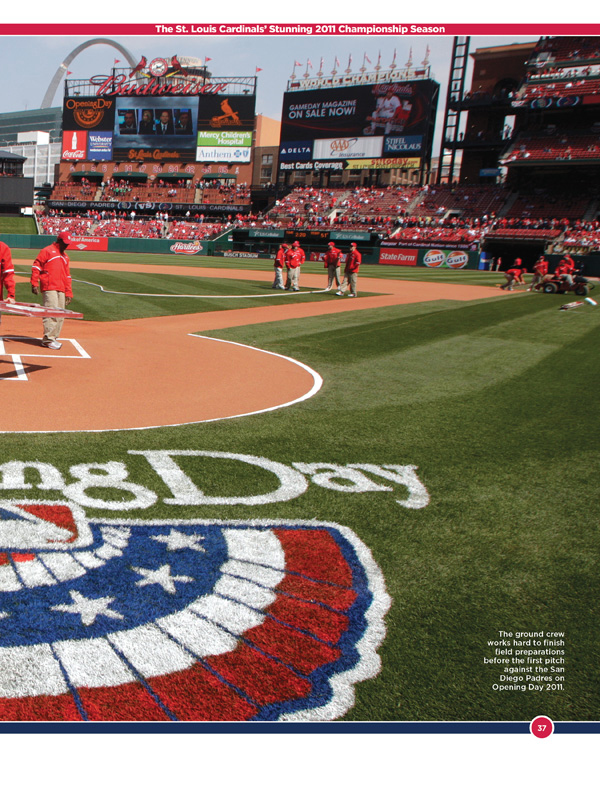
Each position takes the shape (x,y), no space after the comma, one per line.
(182,620)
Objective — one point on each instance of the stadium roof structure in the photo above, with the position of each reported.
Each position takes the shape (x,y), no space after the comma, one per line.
(6,155)
(176,175)
(137,175)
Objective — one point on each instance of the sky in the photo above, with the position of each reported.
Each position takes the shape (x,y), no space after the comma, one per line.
(35,60)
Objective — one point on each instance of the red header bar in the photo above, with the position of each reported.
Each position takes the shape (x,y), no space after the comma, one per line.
(305,29)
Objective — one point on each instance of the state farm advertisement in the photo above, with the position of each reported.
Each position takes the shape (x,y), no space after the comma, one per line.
(407,258)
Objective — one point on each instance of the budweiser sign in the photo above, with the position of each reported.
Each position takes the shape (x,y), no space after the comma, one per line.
(122,86)
(186,248)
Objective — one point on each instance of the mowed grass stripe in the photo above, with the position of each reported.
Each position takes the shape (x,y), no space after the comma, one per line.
(97,305)
(501,434)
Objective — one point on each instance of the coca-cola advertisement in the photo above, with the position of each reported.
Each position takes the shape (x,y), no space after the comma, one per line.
(74,145)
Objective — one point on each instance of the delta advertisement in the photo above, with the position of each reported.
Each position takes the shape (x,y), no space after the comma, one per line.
(434,258)
(387,120)
(169,128)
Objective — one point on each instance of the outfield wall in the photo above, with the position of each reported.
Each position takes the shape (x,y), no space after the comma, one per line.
(114,244)
(428,257)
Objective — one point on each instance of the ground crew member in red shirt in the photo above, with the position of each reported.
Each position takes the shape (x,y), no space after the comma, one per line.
(294,258)
(540,270)
(566,269)
(279,265)
(50,273)
(514,275)
(7,273)
(332,261)
(353,262)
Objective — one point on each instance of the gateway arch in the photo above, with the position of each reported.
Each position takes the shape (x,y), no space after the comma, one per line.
(60,72)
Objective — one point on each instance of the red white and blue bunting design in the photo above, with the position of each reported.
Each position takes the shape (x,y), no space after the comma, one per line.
(182,620)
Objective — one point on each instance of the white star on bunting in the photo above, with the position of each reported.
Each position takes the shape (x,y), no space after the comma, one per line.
(177,540)
(89,608)
(162,576)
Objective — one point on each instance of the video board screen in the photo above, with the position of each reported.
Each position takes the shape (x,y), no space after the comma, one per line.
(388,121)
(16,191)
(206,128)
(146,129)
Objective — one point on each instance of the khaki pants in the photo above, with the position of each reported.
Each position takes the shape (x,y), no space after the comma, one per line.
(53,326)
(293,277)
(350,279)
(333,274)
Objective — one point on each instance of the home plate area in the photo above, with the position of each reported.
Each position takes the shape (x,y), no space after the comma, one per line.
(13,349)
(137,374)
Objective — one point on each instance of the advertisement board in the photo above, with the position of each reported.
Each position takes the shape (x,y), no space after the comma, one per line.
(384,163)
(348,147)
(90,243)
(432,257)
(224,138)
(99,146)
(74,145)
(407,258)
(159,128)
(397,118)
(230,155)
(89,113)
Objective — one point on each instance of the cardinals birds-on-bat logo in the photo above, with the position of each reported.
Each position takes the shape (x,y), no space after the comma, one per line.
(142,63)
(177,66)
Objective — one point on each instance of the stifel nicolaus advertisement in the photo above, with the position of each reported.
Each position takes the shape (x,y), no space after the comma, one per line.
(398,117)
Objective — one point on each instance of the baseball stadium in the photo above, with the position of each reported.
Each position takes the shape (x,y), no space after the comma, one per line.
(314,440)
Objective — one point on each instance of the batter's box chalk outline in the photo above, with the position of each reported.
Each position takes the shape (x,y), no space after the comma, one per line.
(17,358)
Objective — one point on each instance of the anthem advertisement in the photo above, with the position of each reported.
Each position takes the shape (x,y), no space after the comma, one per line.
(368,121)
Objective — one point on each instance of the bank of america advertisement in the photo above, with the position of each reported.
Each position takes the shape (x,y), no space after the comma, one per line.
(398,117)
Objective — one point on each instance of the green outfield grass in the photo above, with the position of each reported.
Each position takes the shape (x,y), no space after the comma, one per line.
(124,298)
(471,277)
(496,403)
(17,224)
(216,294)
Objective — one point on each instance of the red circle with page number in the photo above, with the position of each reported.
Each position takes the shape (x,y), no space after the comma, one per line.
(542,727)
